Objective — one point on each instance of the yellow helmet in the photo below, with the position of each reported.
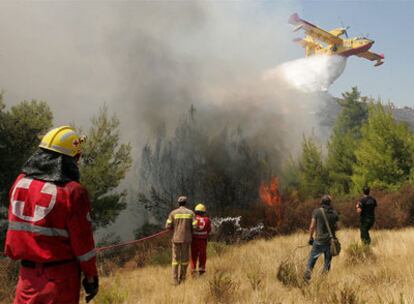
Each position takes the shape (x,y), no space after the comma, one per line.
(200,207)
(63,140)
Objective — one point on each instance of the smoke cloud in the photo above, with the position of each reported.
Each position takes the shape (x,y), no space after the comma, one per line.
(150,61)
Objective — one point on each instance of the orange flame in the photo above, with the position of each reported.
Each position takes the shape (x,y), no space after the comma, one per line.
(269,194)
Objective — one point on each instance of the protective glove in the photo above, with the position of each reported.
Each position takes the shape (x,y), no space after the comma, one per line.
(310,242)
(91,288)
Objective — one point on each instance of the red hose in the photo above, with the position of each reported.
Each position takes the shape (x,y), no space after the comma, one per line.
(104,248)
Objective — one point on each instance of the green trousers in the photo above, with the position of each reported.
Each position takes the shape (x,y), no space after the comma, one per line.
(180,259)
(366,225)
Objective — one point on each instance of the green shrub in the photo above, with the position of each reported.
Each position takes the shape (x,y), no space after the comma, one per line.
(161,258)
(111,293)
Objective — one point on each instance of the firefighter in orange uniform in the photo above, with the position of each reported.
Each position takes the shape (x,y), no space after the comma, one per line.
(199,243)
(50,229)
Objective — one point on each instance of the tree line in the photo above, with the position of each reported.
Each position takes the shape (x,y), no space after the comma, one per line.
(225,168)
(367,146)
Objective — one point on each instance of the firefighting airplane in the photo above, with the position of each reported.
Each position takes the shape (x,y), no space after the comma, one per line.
(319,41)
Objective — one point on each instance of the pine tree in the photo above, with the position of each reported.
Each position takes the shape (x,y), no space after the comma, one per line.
(313,175)
(344,141)
(20,130)
(291,176)
(104,165)
(384,157)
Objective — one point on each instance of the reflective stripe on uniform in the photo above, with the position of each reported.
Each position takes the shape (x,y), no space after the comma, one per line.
(183,216)
(174,263)
(184,263)
(87,256)
(200,232)
(194,223)
(18,226)
(169,221)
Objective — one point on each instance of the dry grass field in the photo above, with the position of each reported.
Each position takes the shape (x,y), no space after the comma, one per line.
(270,271)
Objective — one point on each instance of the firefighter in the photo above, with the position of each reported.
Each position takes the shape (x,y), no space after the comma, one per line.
(199,243)
(50,229)
(182,221)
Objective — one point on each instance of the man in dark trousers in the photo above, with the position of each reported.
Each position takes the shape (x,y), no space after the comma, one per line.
(366,209)
(321,242)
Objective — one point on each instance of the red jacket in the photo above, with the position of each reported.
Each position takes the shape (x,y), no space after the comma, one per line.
(204,227)
(49,222)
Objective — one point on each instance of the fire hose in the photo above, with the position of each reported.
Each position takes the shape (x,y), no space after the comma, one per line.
(150,237)
(109,247)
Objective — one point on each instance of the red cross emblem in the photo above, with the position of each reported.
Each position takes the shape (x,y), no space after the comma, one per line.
(40,209)
(201,223)
(76,143)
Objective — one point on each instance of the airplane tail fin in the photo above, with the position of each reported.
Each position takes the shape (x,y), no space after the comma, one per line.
(294,18)
(380,61)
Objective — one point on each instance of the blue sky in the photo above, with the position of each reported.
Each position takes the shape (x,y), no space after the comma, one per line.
(391,25)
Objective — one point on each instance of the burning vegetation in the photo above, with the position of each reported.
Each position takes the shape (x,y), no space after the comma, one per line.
(223,169)
(270,196)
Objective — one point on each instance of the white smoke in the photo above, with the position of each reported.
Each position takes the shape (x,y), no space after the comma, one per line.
(310,74)
(149,61)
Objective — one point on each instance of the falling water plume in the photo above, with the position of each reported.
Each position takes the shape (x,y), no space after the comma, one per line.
(310,74)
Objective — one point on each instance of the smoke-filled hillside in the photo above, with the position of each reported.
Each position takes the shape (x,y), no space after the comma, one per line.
(224,163)
(152,62)
(221,71)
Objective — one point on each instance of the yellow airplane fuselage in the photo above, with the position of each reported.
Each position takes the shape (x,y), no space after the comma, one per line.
(348,47)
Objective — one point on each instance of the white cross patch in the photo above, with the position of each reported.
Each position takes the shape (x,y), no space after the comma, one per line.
(40,212)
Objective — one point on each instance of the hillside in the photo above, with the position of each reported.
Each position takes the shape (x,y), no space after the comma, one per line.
(247,274)
(330,111)
(405,114)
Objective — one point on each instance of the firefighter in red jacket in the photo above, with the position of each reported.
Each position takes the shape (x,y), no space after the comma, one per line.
(199,243)
(50,229)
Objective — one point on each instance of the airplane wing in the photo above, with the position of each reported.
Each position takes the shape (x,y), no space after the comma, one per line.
(304,43)
(314,31)
(373,57)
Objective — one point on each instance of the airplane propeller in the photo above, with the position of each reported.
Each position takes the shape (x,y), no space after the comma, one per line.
(346,31)
(346,28)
